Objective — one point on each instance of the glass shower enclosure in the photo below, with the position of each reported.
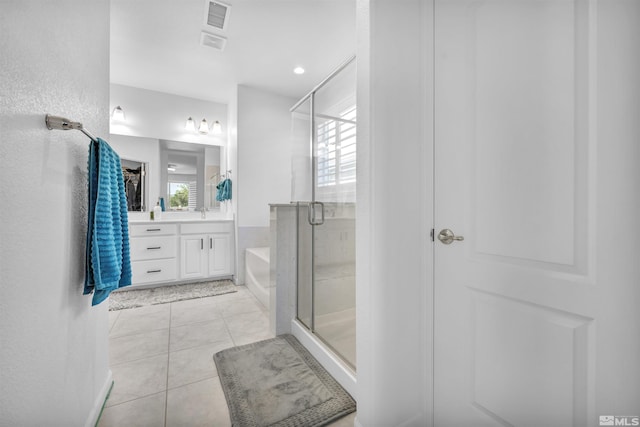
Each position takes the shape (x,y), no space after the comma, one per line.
(324,183)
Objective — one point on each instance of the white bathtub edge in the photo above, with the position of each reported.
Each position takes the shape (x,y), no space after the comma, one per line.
(259,290)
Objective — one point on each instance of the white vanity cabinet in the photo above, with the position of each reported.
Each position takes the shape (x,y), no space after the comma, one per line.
(154,253)
(164,251)
(206,250)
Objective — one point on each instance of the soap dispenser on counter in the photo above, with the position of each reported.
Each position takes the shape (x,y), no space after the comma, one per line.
(157,211)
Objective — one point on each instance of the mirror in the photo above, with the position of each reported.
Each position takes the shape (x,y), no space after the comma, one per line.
(197,167)
(135,183)
(189,176)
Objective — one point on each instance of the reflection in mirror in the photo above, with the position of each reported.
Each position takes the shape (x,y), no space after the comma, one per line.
(134,174)
(187,174)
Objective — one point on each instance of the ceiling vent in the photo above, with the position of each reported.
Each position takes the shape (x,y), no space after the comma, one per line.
(217,14)
(213,41)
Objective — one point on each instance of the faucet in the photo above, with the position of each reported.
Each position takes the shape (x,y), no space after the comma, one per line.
(203,212)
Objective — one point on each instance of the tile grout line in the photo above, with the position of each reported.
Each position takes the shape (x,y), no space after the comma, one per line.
(226,326)
(133,399)
(166,388)
(226,319)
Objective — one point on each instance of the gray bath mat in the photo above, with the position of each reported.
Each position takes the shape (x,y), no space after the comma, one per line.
(133,298)
(276,382)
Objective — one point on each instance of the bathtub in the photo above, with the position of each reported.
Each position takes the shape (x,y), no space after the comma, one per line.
(257,273)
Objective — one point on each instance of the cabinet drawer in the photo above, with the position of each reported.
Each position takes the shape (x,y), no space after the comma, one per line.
(137,230)
(206,227)
(160,270)
(144,248)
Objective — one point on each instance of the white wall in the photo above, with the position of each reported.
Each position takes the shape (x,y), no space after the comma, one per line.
(394,213)
(263,174)
(53,344)
(616,266)
(152,114)
(264,154)
(231,157)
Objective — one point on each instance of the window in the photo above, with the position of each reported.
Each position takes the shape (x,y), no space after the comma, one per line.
(336,149)
(182,195)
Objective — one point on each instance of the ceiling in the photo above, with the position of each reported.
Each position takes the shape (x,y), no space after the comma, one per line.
(155,45)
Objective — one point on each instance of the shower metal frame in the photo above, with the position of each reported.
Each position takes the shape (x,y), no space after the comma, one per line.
(311,212)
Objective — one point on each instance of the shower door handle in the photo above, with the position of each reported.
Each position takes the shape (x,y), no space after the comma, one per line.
(311,214)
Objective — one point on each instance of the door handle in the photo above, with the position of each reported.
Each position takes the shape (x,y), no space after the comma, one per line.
(311,213)
(447,237)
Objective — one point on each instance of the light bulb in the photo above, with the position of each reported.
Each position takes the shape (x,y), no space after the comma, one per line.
(118,114)
(204,128)
(190,125)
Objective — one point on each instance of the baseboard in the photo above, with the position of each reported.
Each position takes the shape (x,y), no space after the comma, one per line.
(101,400)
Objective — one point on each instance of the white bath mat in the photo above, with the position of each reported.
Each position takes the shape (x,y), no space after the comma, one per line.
(133,298)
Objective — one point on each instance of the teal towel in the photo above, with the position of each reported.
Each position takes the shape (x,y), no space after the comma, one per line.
(226,195)
(224,190)
(108,264)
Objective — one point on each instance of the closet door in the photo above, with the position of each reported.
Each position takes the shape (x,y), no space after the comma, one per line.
(534,324)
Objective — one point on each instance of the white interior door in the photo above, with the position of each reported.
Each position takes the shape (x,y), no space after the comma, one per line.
(524,321)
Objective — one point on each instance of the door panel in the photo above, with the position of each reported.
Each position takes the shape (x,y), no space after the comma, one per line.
(514,311)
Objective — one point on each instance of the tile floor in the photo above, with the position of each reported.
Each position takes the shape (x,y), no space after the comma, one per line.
(161,358)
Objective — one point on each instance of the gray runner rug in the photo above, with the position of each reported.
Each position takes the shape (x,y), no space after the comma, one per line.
(276,382)
(132,298)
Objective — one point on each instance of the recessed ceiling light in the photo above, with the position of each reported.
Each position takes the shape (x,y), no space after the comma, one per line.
(298,70)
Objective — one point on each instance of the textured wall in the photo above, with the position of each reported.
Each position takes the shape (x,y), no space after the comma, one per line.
(54,345)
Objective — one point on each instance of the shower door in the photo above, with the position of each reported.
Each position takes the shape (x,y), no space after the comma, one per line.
(326,223)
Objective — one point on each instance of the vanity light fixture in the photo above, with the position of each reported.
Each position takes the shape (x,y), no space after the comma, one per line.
(204,127)
(118,114)
(216,129)
(190,125)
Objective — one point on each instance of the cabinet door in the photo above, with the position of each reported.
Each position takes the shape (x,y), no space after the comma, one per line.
(219,254)
(193,260)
